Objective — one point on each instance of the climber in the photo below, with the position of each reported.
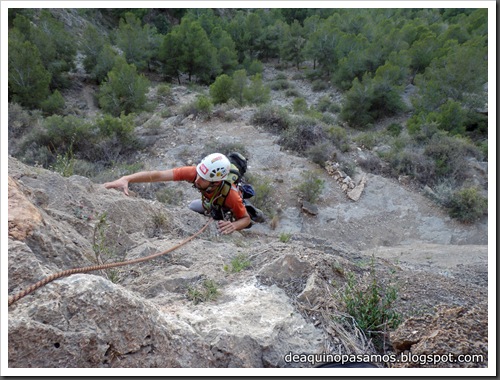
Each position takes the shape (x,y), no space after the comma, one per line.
(208,177)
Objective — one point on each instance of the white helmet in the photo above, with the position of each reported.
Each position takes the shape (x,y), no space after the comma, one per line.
(214,167)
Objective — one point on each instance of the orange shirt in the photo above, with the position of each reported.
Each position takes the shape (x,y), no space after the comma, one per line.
(233,200)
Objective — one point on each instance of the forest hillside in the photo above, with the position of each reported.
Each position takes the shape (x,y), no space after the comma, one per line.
(366,134)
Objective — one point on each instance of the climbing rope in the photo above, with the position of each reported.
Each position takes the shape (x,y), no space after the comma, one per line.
(46,280)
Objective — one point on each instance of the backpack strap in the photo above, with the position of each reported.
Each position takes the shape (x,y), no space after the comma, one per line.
(221,198)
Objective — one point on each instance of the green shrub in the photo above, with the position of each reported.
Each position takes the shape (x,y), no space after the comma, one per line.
(371,306)
(204,106)
(257,92)
(264,198)
(468,205)
(292,93)
(303,133)
(201,106)
(59,133)
(337,135)
(357,104)
(280,76)
(394,129)
(319,85)
(20,122)
(285,237)
(324,104)
(64,164)
(53,104)
(253,67)
(121,127)
(413,164)
(449,154)
(238,263)
(321,152)
(451,117)
(206,291)
(311,187)
(273,118)
(164,91)
(367,140)
(299,105)
(124,90)
(221,89)
(159,224)
(280,84)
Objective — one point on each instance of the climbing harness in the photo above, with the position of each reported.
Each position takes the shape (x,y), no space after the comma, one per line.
(45,281)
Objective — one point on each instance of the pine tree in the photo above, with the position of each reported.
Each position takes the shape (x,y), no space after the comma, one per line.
(28,79)
(124,90)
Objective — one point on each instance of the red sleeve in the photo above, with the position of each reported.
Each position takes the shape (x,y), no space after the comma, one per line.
(235,203)
(185,173)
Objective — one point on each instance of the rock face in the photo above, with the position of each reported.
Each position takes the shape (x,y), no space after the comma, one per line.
(86,320)
(453,337)
(23,215)
(286,299)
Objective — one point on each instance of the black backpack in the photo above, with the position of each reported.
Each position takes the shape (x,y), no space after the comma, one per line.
(240,163)
(239,166)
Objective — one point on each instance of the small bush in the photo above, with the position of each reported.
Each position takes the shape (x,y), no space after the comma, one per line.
(64,164)
(59,133)
(292,93)
(238,263)
(221,89)
(319,85)
(253,67)
(394,129)
(264,193)
(324,104)
(274,119)
(20,123)
(299,105)
(164,91)
(414,164)
(280,84)
(53,104)
(120,127)
(367,140)
(206,291)
(372,164)
(280,76)
(159,224)
(285,237)
(348,167)
(311,187)
(201,106)
(449,154)
(321,152)
(328,118)
(303,133)
(468,205)
(337,135)
(371,306)
(257,92)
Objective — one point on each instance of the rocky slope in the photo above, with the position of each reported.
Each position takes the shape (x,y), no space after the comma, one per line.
(161,313)
(193,308)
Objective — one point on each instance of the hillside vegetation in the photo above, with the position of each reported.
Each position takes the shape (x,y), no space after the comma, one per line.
(366,132)
(424,69)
